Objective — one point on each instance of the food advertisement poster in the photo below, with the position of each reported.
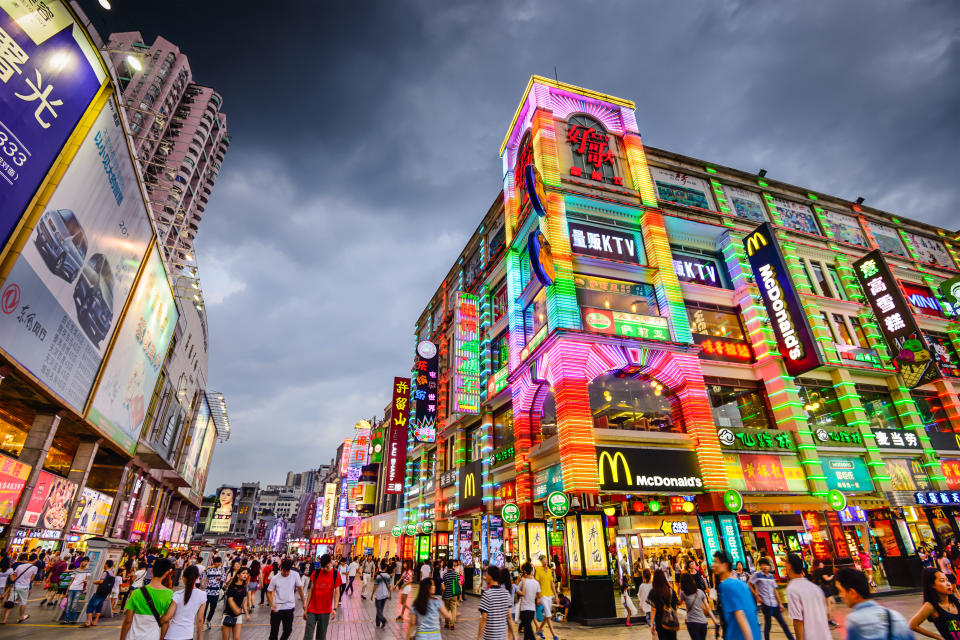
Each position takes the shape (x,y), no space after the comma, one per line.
(594,545)
(91,513)
(66,291)
(764,472)
(120,404)
(48,506)
(13,477)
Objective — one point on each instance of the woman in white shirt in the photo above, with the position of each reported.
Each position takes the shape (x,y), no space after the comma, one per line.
(185,615)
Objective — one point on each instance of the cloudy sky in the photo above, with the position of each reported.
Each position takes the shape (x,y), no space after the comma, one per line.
(365,141)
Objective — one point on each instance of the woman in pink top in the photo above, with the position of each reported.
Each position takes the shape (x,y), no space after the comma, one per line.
(866,563)
(943,563)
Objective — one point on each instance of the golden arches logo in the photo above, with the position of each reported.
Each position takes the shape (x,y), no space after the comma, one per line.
(766,520)
(754,242)
(958,440)
(612,460)
(469,486)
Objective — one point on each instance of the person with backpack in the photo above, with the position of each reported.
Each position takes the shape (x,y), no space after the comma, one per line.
(381,592)
(451,593)
(104,589)
(144,611)
(322,600)
(18,586)
(663,607)
(184,618)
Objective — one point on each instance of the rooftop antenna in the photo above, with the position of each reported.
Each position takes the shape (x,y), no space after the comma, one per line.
(555,74)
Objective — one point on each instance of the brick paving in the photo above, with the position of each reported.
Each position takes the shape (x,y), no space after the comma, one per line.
(355,622)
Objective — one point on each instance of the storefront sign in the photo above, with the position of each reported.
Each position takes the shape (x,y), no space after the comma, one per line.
(427,526)
(951,471)
(723,349)
(558,504)
(541,257)
(896,321)
(498,382)
(617,287)
(780,298)
(698,271)
(733,501)
(510,513)
(922,299)
(767,473)
(49,504)
(600,242)
(838,437)
(396,439)
(896,439)
(329,503)
(535,189)
(674,527)
(776,520)
(753,439)
(837,500)
(423,421)
(730,533)
(944,354)
(410,529)
(591,148)
(501,455)
(628,325)
(323,541)
(466,348)
(594,545)
(448,478)
(546,481)
(907,475)
(397,531)
(471,486)
(847,474)
(503,493)
(710,533)
(950,290)
(852,514)
(671,471)
(937,497)
(13,477)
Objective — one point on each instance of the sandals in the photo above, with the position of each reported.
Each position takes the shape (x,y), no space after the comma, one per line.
(24,618)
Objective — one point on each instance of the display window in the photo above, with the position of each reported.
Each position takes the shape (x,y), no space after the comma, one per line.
(932,412)
(739,407)
(615,295)
(719,333)
(627,403)
(503,428)
(879,407)
(821,406)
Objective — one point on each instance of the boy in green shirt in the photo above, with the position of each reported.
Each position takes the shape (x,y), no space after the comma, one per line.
(139,621)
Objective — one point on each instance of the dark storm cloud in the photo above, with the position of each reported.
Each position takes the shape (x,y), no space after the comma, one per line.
(365,153)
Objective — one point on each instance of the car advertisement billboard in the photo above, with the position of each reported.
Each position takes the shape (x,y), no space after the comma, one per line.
(13,478)
(120,403)
(223,511)
(90,515)
(64,295)
(49,504)
(50,74)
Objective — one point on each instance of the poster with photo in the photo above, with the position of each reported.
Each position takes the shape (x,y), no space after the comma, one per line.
(796,216)
(887,239)
(223,510)
(49,504)
(931,251)
(845,228)
(746,204)
(90,515)
(679,188)
(64,295)
(13,478)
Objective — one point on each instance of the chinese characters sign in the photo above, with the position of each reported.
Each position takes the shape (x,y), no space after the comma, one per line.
(603,243)
(838,437)
(466,344)
(780,299)
(397,436)
(725,349)
(628,325)
(13,477)
(937,497)
(896,439)
(847,474)
(594,545)
(593,157)
(424,386)
(755,439)
(896,321)
(49,74)
(764,472)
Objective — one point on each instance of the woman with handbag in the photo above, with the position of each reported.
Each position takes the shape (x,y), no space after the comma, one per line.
(663,604)
(235,604)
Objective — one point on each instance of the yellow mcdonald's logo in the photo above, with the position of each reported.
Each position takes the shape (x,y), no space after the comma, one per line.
(469,486)
(766,520)
(957,437)
(754,242)
(614,468)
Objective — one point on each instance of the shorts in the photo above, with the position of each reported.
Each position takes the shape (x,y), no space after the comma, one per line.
(19,596)
(406,590)
(253,587)
(95,604)
(547,603)
(239,619)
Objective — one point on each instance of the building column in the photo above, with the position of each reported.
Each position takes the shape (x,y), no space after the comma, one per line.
(134,505)
(117,500)
(79,472)
(34,452)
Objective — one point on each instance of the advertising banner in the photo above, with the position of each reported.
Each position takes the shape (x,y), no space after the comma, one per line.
(766,473)
(594,545)
(194,443)
(922,298)
(64,295)
(203,464)
(573,545)
(466,349)
(847,474)
(931,251)
(680,188)
(796,216)
(91,513)
(49,505)
(667,470)
(730,532)
(223,511)
(471,486)
(845,228)
(330,504)
(895,319)
(601,242)
(746,204)
(424,387)
(120,403)
(537,541)
(711,536)
(887,238)
(629,325)
(13,477)
(780,299)
(50,74)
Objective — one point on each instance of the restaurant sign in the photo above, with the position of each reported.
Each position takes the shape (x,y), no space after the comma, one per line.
(628,325)
(753,439)
(896,439)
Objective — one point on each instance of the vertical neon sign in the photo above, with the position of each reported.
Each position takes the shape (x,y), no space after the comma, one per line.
(467,354)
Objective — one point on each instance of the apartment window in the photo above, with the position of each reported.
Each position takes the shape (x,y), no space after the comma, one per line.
(858,331)
(837,283)
(842,331)
(499,351)
(740,406)
(879,407)
(820,278)
(503,428)
(499,302)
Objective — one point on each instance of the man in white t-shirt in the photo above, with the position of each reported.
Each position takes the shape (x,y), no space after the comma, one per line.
(426,569)
(282,594)
(21,579)
(352,574)
(529,597)
(805,603)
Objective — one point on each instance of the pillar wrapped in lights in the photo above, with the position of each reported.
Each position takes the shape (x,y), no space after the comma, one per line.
(591,588)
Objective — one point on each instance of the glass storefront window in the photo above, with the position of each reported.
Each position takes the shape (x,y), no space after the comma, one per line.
(499,353)
(630,297)
(15,421)
(821,406)
(932,412)
(879,408)
(738,407)
(503,428)
(630,404)
(708,322)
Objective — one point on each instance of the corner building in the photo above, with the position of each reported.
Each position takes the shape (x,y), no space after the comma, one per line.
(626,358)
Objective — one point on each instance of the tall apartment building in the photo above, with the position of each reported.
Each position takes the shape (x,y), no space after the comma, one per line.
(180,134)
(304,482)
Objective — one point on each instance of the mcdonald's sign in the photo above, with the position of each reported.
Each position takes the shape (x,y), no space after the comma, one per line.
(471,486)
(665,470)
(773,520)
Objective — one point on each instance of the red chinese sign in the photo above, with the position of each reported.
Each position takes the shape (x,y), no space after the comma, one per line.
(524,157)
(397,440)
(836,532)
(323,540)
(763,472)
(951,471)
(716,348)
(13,477)
(504,493)
(818,541)
(593,147)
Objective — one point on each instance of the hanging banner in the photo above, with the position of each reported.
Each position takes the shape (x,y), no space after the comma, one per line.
(781,300)
(397,437)
(423,422)
(13,478)
(49,505)
(466,351)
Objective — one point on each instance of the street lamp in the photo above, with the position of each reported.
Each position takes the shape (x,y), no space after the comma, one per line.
(132,60)
(105,4)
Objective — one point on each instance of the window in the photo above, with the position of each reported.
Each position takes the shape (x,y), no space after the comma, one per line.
(820,278)
(499,351)
(628,297)
(472,444)
(548,421)
(497,240)
(843,332)
(535,316)
(738,406)
(932,412)
(499,302)
(503,428)
(879,408)
(858,331)
(473,267)
(593,151)
(715,322)
(627,403)
(837,283)
(821,406)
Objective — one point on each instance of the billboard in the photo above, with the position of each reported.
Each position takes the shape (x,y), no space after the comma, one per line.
(223,511)
(796,216)
(397,437)
(90,515)
(663,470)
(781,300)
(746,204)
(195,438)
(50,74)
(330,504)
(466,346)
(424,386)
(66,291)
(680,188)
(49,506)
(203,462)
(470,492)
(13,477)
(931,251)
(120,403)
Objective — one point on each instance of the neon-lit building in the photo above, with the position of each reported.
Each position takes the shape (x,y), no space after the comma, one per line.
(645,332)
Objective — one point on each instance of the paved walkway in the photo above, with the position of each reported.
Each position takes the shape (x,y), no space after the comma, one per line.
(355,622)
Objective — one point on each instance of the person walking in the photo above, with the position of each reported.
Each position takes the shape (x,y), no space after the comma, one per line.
(212,584)
(18,586)
(322,600)
(235,604)
(145,608)
(866,564)
(868,620)
(282,594)
(368,571)
(381,592)
(940,606)
(103,591)
(663,604)
(737,602)
(254,585)
(343,570)
(405,586)
(529,599)
(78,584)
(548,590)
(495,605)
(185,617)
(643,595)
(805,603)
(265,572)
(697,605)
(451,593)
(764,587)
(57,567)
(427,609)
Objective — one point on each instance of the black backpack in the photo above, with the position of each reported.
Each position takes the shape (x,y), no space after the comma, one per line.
(106,586)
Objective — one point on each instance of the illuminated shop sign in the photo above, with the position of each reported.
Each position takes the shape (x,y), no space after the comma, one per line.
(853,514)
(937,497)
(944,354)
(424,385)
(590,146)
(466,345)
(697,271)
(895,439)
(922,299)
(448,478)
(397,438)
(541,257)
(847,474)
(501,455)
(667,470)
(498,382)
(896,321)
(628,325)
(753,439)
(725,349)
(858,355)
(781,301)
(600,242)
(765,472)
(611,286)
(837,437)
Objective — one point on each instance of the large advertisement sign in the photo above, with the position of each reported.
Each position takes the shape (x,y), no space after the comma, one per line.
(223,511)
(49,506)
(767,473)
(680,188)
(203,463)
(397,438)
(425,387)
(466,345)
(931,251)
(781,300)
(746,204)
(471,486)
(847,474)
(91,513)
(195,440)
(13,478)
(600,242)
(120,404)
(330,504)
(897,324)
(64,295)
(50,74)
(628,470)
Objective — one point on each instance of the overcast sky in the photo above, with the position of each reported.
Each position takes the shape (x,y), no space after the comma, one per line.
(365,142)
